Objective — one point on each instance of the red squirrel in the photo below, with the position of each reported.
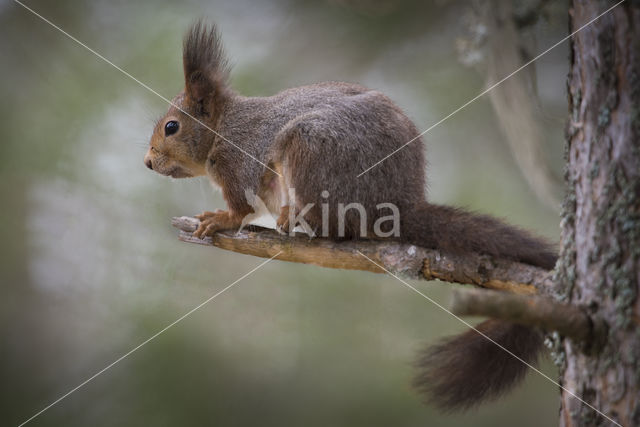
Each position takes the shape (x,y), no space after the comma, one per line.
(317,139)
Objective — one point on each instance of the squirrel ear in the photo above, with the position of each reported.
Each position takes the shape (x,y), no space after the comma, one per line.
(205,66)
(200,91)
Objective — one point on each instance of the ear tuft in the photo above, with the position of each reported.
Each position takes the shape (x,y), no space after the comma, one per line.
(206,68)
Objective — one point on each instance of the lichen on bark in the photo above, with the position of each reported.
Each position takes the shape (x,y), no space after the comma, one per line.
(599,267)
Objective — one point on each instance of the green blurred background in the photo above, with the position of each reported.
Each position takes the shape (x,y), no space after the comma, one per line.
(90,266)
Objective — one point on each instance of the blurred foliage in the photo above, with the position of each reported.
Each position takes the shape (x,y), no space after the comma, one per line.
(90,267)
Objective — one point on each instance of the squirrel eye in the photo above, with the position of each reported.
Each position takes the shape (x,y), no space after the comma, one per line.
(171,127)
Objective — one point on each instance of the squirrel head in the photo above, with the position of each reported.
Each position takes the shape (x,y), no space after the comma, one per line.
(182,139)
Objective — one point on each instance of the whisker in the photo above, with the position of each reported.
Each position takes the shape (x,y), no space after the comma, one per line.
(149,113)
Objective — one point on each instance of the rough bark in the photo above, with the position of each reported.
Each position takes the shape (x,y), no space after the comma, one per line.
(600,268)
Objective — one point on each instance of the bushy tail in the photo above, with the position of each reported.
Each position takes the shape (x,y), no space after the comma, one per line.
(466,369)
(455,230)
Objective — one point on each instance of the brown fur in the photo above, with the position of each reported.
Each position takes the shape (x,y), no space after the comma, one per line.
(320,137)
(466,369)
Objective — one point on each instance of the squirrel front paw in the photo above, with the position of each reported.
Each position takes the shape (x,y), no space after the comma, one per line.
(210,222)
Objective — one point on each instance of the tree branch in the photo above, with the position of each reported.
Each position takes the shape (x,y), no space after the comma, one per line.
(399,258)
(568,320)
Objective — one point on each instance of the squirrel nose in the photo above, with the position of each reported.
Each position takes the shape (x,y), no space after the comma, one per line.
(148,163)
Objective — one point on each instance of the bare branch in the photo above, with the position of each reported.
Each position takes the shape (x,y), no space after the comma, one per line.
(567,320)
(400,258)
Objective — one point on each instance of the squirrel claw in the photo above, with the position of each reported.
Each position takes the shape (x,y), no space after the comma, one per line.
(282,228)
(210,222)
(207,227)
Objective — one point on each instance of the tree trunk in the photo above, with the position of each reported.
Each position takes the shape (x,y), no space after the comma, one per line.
(600,257)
